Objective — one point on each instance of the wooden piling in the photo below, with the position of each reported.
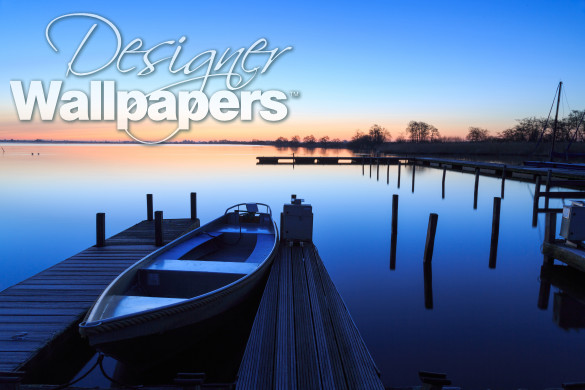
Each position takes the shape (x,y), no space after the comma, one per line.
(394,231)
(430,242)
(193,205)
(475,188)
(550,233)
(363,165)
(377,169)
(388,173)
(370,167)
(428,284)
(547,188)
(535,201)
(443,185)
(398,183)
(149,207)
(413,171)
(100,229)
(158,230)
(495,232)
(503,181)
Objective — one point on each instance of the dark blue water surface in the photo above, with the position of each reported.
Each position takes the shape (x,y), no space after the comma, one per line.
(484,330)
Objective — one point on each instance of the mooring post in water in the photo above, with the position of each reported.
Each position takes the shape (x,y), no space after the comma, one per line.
(149,209)
(430,243)
(100,229)
(443,185)
(495,232)
(535,201)
(394,231)
(550,233)
(388,172)
(363,163)
(428,284)
(547,188)
(413,170)
(398,183)
(370,166)
(158,228)
(503,181)
(193,205)
(476,188)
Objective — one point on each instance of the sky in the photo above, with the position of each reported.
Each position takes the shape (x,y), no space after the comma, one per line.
(453,64)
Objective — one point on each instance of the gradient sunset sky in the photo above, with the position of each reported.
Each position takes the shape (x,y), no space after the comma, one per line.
(453,64)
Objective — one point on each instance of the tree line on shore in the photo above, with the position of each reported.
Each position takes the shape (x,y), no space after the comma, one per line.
(530,129)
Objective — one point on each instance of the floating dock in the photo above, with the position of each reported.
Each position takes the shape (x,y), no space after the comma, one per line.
(303,336)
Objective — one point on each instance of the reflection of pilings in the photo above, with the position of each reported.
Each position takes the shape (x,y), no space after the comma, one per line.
(443,185)
(475,188)
(413,171)
(543,291)
(430,243)
(398,182)
(428,284)
(535,202)
(394,231)
(503,181)
(495,233)
(547,188)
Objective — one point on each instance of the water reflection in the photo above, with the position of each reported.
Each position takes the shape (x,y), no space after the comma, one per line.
(569,302)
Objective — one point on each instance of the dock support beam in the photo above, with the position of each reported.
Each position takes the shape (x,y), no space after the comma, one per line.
(430,243)
(443,185)
(158,228)
(100,229)
(535,203)
(193,206)
(495,232)
(394,231)
(149,207)
(476,188)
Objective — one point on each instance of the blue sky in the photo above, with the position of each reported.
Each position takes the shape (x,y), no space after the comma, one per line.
(454,64)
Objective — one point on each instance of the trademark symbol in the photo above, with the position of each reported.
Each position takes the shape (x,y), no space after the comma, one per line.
(295,94)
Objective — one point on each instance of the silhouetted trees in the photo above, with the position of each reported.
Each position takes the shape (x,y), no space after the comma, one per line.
(376,136)
(421,132)
(477,134)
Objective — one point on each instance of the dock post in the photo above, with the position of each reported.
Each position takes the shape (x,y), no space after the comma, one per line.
(399,164)
(428,284)
(430,243)
(547,188)
(394,231)
(370,167)
(193,205)
(550,233)
(149,207)
(495,232)
(413,170)
(535,203)
(503,181)
(388,173)
(100,229)
(158,228)
(476,188)
(363,162)
(443,185)
(378,169)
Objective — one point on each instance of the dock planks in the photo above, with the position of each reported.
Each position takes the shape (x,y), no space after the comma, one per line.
(303,336)
(39,316)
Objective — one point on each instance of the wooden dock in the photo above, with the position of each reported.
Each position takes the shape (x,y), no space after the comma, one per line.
(514,172)
(39,316)
(303,336)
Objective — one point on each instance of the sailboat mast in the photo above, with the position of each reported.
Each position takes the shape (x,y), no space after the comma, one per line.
(552,149)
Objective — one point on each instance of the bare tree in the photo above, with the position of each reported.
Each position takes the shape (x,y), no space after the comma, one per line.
(476,134)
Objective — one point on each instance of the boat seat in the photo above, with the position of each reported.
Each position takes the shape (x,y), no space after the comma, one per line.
(203,266)
(264,245)
(120,305)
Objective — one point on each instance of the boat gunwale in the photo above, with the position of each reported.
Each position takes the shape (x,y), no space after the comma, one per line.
(100,326)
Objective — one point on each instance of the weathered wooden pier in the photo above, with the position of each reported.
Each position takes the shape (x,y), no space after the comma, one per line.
(303,335)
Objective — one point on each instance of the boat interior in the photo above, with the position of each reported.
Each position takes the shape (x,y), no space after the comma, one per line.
(211,257)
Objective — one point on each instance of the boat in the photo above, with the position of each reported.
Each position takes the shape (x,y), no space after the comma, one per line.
(179,293)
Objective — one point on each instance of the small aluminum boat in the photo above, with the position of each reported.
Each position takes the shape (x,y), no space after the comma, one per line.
(178,293)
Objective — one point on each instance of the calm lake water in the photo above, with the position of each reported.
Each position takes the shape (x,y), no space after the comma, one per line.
(484,330)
